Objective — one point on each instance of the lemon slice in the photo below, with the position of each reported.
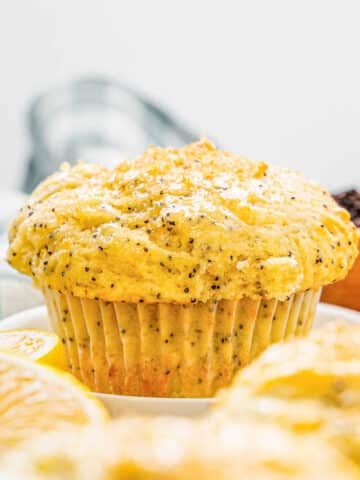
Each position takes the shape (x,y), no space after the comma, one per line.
(36,398)
(39,345)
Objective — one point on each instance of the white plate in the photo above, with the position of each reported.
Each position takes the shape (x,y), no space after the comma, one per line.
(120,404)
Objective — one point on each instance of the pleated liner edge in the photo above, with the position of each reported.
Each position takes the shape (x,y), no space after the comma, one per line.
(168,350)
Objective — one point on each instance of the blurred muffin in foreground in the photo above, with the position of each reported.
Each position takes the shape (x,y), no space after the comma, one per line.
(167,274)
(179,449)
(292,414)
(347,292)
(309,386)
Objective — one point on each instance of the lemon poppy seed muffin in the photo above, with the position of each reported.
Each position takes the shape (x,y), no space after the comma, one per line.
(170,448)
(168,273)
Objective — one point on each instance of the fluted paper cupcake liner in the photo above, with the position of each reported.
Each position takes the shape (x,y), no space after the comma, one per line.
(170,350)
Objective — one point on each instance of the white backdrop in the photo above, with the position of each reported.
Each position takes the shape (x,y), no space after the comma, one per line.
(276,80)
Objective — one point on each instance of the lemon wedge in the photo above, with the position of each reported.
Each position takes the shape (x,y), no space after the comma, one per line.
(36,398)
(38,345)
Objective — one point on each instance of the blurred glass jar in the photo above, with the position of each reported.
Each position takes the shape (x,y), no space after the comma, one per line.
(95,120)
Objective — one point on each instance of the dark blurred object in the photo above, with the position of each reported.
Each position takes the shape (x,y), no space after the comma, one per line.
(98,121)
(347,292)
(351,201)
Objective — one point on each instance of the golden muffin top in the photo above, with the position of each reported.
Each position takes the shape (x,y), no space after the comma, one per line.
(181,225)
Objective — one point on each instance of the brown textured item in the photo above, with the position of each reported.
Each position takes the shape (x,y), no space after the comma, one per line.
(168,350)
(346,293)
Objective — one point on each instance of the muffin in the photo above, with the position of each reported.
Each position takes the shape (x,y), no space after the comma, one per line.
(347,292)
(170,448)
(309,384)
(167,274)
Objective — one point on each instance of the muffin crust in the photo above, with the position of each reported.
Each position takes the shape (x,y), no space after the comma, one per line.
(182,225)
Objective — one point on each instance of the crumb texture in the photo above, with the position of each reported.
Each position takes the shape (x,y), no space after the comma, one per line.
(181,225)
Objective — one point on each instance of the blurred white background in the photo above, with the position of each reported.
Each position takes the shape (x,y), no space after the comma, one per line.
(276,80)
